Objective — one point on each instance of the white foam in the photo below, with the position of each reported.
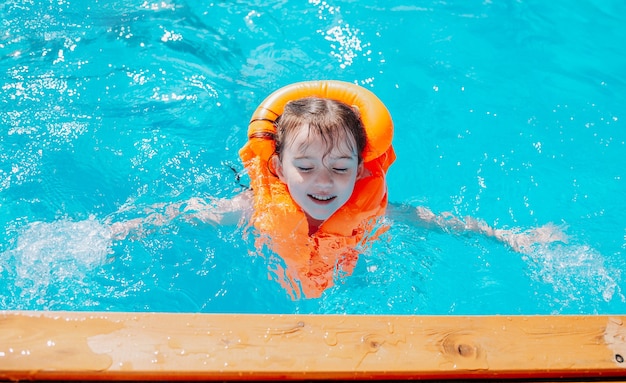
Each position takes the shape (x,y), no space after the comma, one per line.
(575,272)
(57,254)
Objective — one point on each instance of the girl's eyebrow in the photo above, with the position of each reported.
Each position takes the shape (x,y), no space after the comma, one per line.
(302,157)
(334,158)
(345,157)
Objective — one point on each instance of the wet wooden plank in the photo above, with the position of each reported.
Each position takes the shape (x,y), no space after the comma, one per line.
(132,346)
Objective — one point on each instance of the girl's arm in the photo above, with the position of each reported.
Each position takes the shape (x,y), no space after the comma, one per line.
(520,241)
(223,212)
(216,212)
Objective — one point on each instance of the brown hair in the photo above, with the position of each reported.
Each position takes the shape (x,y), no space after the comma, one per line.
(336,123)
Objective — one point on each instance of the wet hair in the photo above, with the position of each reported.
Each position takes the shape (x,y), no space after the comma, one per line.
(337,124)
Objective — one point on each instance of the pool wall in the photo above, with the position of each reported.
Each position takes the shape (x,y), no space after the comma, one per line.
(154,346)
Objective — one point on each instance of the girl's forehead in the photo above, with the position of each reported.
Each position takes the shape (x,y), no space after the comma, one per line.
(307,140)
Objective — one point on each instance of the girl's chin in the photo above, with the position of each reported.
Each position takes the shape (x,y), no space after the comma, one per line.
(320,217)
(321,214)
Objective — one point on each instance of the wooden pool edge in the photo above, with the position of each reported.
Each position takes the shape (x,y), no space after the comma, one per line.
(157,346)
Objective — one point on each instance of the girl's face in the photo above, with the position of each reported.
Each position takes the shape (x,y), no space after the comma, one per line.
(319,181)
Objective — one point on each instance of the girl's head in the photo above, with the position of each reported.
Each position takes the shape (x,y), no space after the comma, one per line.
(319,148)
(335,123)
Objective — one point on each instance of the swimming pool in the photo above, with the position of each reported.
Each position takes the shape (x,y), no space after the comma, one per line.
(508,112)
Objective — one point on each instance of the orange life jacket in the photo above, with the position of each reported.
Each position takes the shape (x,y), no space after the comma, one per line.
(312,261)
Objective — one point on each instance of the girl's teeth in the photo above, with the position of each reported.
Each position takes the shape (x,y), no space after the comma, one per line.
(321,198)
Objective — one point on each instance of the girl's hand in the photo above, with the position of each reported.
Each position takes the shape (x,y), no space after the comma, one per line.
(520,241)
(523,242)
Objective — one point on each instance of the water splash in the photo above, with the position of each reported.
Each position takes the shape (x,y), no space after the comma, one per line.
(51,261)
(576,273)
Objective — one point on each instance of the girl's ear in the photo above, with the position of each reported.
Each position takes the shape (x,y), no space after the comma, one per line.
(361,172)
(278,168)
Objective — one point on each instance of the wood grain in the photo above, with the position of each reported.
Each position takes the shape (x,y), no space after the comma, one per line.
(132,346)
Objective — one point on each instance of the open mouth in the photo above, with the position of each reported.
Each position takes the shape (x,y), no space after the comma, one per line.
(322,198)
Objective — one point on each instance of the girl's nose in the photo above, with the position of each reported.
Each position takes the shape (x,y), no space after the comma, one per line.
(324,178)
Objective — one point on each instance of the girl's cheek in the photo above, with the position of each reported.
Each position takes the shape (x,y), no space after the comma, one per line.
(298,177)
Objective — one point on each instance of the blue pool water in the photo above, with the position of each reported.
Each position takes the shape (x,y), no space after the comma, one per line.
(509,111)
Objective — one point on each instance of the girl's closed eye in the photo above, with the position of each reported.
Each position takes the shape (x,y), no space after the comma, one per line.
(303,166)
(342,166)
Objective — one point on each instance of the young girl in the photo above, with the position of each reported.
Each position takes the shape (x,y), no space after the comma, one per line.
(317,156)
(319,194)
